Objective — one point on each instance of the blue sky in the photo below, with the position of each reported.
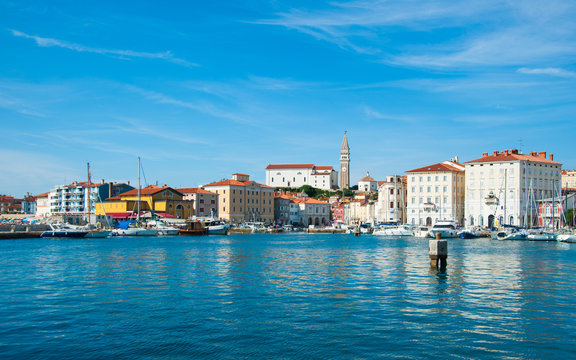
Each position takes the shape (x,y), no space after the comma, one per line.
(200,90)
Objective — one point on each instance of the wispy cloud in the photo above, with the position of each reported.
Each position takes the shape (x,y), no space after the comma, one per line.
(474,33)
(127,54)
(548,71)
(200,106)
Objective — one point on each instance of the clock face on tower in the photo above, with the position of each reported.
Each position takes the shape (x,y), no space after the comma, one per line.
(344,168)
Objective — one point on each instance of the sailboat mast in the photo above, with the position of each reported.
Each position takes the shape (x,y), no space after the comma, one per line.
(138,215)
(88,198)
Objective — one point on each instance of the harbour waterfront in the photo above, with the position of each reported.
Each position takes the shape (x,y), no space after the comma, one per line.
(289,296)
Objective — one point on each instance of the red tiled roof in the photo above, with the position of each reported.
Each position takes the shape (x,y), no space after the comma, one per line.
(367,178)
(194,191)
(439,167)
(514,156)
(309,201)
(149,190)
(232,182)
(42,195)
(323,167)
(290,166)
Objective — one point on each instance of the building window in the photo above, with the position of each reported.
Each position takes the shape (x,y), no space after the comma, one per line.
(391,204)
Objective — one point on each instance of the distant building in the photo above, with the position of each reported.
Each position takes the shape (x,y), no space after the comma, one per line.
(338,214)
(162,201)
(297,175)
(29,204)
(392,199)
(241,200)
(367,184)
(8,204)
(436,192)
(205,202)
(81,198)
(42,204)
(569,179)
(504,187)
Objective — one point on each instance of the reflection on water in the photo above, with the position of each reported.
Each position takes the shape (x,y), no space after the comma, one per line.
(285,296)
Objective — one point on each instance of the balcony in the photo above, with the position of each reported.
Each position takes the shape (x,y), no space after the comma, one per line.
(429,207)
(491,199)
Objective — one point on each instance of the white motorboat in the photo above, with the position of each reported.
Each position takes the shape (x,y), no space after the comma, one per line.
(163,229)
(216,227)
(133,230)
(514,234)
(569,238)
(397,230)
(422,232)
(537,235)
(446,229)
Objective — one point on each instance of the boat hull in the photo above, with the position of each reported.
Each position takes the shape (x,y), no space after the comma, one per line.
(63,234)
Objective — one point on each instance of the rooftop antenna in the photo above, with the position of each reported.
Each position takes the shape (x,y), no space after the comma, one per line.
(520,145)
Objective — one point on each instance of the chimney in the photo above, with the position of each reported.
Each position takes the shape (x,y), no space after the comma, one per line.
(484,154)
(542,154)
(496,152)
(514,151)
(505,152)
(552,157)
(102,181)
(532,153)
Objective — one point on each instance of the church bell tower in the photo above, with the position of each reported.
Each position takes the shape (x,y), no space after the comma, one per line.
(345,164)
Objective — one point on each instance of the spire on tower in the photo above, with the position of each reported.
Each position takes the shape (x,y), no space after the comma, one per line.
(345,146)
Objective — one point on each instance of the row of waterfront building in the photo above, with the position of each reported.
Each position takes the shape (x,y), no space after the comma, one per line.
(505,187)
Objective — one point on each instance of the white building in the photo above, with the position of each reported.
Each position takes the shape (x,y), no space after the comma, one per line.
(392,197)
(436,192)
(569,179)
(42,205)
(504,187)
(297,175)
(367,184)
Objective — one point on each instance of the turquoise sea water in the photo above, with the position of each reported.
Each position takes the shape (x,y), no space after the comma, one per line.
(285,296)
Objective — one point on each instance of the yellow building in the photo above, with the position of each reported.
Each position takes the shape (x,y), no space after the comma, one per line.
(241,200)
(165,201)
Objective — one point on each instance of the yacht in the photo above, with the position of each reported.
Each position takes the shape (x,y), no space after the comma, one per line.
(512,234)
(163,229)
(63,230)
(393,230)
(446,229)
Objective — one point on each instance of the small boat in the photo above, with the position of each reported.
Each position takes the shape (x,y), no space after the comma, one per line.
(397,230)
(514,234)
(569,238)
(540,236)
(366,229)
(446,229)
(216,227)
(63,230)
(422,232)
(165,230)
(470,233)
(133,230)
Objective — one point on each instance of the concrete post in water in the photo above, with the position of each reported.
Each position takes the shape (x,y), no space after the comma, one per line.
(356,231)
(438,251)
